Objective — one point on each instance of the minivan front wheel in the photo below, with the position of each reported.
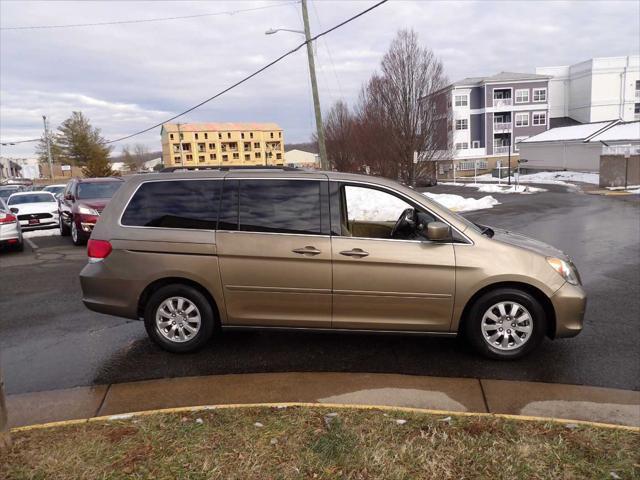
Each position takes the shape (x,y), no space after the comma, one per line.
(506,323)
(179,318)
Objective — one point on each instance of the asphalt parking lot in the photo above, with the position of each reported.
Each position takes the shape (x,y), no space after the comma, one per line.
(48,340)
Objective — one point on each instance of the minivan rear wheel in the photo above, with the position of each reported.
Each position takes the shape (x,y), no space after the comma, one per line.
(179,318)
(506,324)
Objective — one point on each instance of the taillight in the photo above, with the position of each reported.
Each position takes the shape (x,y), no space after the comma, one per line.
(98,250)
(7,218)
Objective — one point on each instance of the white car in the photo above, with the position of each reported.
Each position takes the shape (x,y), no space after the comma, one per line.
(10,232)
(34,209)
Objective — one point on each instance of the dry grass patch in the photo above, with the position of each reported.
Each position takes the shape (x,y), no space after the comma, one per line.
(300,443)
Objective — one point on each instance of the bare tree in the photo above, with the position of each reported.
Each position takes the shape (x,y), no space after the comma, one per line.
(411,76)
(140,154)
(339,131)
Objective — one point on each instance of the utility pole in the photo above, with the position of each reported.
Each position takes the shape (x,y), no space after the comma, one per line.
(324,164)
(509,170)
(48,142)
(180,143)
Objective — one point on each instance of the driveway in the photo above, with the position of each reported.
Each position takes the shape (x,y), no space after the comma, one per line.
(48,340)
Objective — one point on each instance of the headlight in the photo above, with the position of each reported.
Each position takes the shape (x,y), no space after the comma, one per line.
(565,269)
(87,210)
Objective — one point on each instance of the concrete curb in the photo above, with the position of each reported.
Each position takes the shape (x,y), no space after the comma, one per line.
(333,406)
(438,395)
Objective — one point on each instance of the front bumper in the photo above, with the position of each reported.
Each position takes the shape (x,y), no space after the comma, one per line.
(569,303)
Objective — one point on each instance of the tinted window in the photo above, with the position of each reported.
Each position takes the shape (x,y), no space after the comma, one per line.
(228,219)
(31,198)
(98,189)
(175,204)
(283,206)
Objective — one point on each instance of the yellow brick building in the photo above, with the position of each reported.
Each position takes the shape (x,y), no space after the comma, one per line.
(222,144)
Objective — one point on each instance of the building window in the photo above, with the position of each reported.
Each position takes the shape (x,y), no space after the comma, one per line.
(228,134)
(462,146)
(256,145)
(461,100)
(516,141)
(212,146)
(236,156)
(171,134)
(247,156)
(279,156)
(258,155)
(189,157)
(201,158)
(250,134)
(522,119)
(271,134)
(176,148)
(201,147)
(462,124)
(177,159)
(539,94)
(636,108)
(225,158)
(522,96)
(637,84)
(539,118)
(247,145)
(475,144)
(186,147)
(206,136)
(212,156)
(196,136)
(220,136)
(182,136)
(242,135)
(279,134)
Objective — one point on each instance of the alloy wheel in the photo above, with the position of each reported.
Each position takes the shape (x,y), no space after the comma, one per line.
(178,319)
(506,326)
(74,232)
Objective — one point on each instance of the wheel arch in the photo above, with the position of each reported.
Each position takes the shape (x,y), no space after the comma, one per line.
(535,292)
(162,282)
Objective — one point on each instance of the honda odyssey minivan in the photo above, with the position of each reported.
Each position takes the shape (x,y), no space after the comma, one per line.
(195,252)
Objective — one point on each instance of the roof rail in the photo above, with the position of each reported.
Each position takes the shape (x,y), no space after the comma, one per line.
(227,168)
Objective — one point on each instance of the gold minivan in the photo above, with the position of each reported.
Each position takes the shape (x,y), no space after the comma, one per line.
(194,252)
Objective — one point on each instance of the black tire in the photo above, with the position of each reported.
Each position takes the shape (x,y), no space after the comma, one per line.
(64,229)
(77,236)
(473,323)
(19,247)
(207,318)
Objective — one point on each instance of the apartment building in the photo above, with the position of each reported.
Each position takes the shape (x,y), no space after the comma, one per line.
(488,117)
(220,144)
(596,90)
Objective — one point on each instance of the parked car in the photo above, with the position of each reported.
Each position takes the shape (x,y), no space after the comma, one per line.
(10,231)
(34,210)
(193,251)
(55,189)
(7,190)
(81,204)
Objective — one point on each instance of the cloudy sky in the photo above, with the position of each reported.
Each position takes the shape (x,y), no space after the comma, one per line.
(130,76)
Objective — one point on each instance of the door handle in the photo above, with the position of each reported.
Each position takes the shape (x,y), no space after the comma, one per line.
(308,250)
(356,252)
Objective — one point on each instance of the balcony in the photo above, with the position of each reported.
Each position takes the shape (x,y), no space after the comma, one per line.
(498,126)
(499,149)
(502,102)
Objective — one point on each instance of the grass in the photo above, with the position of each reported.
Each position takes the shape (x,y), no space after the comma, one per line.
(301,443)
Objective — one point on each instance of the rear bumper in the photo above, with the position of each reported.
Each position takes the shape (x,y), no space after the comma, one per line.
(10,233)
(102,292)
(569,303)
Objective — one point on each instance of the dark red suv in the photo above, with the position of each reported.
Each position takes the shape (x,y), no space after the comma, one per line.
(82,202)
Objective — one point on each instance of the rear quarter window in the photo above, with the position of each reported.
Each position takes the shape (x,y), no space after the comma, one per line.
(191,204)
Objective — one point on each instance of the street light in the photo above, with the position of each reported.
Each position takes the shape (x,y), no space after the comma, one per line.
(314,84)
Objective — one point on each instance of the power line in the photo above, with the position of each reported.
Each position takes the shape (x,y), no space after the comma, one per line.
(5,143)
(125,22)
(248,77)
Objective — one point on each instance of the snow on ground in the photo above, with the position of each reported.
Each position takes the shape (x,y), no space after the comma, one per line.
(50,232)
(458,203)
(498,188)
(366,204)
(553,178)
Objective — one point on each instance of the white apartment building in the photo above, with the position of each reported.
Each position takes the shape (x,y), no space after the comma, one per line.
(596,90)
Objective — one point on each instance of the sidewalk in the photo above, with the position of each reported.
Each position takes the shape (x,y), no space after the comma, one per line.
(436,393)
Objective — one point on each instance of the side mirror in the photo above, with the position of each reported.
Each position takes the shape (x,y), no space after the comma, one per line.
(438,231)
(69,196)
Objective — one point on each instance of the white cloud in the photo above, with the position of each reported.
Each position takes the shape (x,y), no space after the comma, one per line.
(128,77)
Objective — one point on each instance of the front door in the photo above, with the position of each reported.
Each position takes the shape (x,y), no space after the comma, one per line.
(274,250)
(380,282)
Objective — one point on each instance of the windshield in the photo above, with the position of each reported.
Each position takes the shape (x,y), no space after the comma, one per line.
(31,198)
(6,192)
(54,189)
(98,189)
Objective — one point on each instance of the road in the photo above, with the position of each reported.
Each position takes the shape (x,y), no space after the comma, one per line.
(48,340)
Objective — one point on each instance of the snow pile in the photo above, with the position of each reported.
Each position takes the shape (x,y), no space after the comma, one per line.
(371,205)
(498,188)
(458,203)
(552,178)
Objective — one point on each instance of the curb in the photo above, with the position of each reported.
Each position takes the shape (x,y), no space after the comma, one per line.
(126,416)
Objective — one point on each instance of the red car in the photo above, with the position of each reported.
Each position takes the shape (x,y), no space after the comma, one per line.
(82,202)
